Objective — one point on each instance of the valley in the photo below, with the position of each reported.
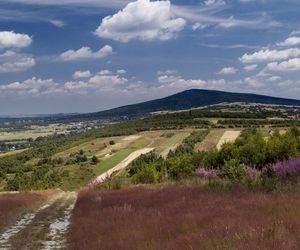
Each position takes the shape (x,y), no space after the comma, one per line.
(161,176)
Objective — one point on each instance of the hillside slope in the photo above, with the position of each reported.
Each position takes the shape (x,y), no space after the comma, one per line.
(193,98)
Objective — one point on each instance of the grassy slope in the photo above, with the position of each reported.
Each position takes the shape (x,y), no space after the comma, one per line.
(177,217)
(170,142)
(119,156)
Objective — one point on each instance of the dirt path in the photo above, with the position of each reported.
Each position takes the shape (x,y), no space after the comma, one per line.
(123,164)
(43,229)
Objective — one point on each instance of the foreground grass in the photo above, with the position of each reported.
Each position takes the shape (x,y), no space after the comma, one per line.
(15,205)
(177,217)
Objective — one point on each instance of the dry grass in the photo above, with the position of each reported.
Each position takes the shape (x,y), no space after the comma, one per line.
(228,137)
(14,205)
(211,140)
(174,217)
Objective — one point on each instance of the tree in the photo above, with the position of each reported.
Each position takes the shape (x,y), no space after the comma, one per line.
(95,160)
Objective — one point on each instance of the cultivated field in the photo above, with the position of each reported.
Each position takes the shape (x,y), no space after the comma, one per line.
(228,137)
(34,132)
(171,143)
(174,217)
(211,141)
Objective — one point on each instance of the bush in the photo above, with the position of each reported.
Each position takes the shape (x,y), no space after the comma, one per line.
(95,160)
(233,170)
(146,175)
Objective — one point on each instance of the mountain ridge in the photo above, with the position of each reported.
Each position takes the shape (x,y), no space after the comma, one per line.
(188,99)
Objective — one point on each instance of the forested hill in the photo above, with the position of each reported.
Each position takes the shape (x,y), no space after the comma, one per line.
(193,98)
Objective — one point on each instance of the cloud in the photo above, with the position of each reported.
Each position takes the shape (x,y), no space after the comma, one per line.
(251,67)
(10,39)
(228,71)
(11,61)
(142,20)
(167,72)
(214,2)
(290,65)
(101,82)
(82,74)
(86,53)
(121,71)
(57,23)
(31,87)
(178,82)
(291,41)
(98,82)
(206,15)
(295,32)
(199,26)
(95,3)
(273,78)
(270,55)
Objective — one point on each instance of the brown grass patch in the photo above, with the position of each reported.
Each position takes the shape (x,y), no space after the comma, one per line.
(210,141)
(14,205)
(175,217)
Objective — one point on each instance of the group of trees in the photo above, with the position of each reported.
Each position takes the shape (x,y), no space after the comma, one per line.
(252,152)
(151,167)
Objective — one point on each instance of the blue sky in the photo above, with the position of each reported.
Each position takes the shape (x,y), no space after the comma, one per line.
(81,56)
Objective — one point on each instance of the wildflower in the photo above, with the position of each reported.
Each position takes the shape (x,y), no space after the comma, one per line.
(207,173)
(288,167)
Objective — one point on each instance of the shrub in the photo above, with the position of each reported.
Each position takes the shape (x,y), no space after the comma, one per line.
(146,175)
(233,170)
(95,160)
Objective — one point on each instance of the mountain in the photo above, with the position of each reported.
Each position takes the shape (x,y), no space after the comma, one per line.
(193,98)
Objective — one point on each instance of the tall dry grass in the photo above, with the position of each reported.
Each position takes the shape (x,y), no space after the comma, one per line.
(175,217)
(14,205)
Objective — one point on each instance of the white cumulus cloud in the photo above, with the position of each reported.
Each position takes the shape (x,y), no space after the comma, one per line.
(82,74)
(251,67)
(291,41)
(227,71)
(143,20)
(11,61)
(10,39)
(290,65)
(86,53)
(270,55)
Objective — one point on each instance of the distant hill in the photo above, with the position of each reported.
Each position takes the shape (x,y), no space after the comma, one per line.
(193,98)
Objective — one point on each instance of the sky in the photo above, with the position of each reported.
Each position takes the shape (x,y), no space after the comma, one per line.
(66,56)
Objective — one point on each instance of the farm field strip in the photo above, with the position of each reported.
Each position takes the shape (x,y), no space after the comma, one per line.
(111,161)
(211,140)
(228,137)
(171,143)
(123,164)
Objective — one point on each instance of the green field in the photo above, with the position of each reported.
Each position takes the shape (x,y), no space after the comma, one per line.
(119,156)
(169,143)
